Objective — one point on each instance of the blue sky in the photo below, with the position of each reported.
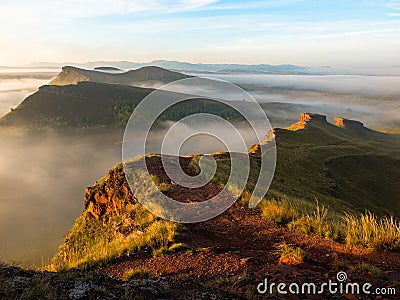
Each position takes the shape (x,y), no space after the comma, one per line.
(309,33)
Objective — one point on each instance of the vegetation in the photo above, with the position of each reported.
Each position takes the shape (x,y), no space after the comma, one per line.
(136,274)
(176,247)
(90,242)
(289,255)
(362,266)
(366,230)
(369,231)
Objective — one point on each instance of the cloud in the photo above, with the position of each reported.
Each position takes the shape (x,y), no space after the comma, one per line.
(75,9)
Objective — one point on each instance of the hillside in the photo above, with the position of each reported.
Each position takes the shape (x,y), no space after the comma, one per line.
(95,104)
(345,165)
(122,250)
(115,235)
(149,76)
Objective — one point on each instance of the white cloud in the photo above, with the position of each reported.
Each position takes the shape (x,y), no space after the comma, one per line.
(73,9)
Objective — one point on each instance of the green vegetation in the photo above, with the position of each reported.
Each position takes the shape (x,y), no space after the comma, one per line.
(90,242)
(362,266)
(289,255)
(161,185)
(136,274)
(176,247)
(98,105)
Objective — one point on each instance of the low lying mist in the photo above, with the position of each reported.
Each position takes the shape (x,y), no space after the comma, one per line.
(43,176)
(374,100)
(15,86)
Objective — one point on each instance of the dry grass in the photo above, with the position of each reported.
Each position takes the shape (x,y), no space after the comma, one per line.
(282,211)
(289,255)
(369,231)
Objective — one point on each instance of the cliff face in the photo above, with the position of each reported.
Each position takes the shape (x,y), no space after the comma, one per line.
(306,119)
(342,122)
(107,198)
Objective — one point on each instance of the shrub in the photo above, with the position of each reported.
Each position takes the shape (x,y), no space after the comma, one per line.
(289,255)
(136,274)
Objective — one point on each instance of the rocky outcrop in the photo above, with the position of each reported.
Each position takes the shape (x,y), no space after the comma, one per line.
(307,118)
(17,283)
(108,196)
(342,122)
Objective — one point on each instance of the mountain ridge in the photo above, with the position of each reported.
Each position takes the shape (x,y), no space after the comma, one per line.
(148,75)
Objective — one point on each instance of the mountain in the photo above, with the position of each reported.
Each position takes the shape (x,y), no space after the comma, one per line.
(95,104)
(122,250)
(345,165)
(186,66)
(150,76)
(86,104)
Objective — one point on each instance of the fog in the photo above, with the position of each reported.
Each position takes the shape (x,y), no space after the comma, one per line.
(373,100)
(43,174)
(15,86)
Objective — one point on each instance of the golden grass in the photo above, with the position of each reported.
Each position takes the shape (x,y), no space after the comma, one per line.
(369,231)
(289,255)
(366,230)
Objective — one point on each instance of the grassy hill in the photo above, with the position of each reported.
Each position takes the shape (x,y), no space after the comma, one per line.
(347,167)
(149,76)
(122,250)
(95,104)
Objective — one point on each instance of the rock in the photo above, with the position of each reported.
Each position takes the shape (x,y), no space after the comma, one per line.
(306,118)
(342,122)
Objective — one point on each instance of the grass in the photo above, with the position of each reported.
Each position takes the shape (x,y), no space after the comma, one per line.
(369,231)
(161,185)
(136,274)
(362,266)
(91,243)
(318,224)
(174,248)
(282,211)
(366,230)
(289,255)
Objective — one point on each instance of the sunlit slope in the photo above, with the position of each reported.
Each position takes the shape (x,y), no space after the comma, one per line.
(345,165)
(150,76)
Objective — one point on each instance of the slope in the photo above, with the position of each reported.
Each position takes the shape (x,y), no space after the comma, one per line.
(150,76)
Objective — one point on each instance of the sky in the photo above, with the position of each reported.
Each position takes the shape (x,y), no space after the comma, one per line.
(302,32)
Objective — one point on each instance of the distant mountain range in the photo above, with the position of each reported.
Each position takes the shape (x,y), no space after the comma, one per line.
(183,66)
